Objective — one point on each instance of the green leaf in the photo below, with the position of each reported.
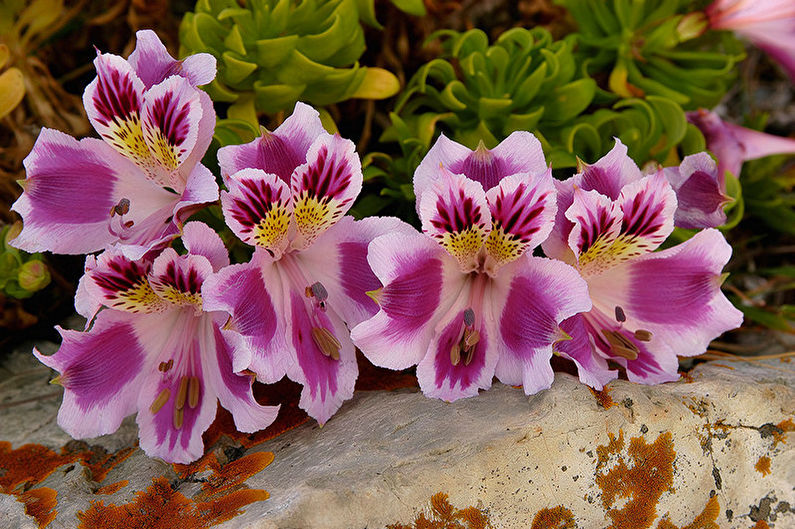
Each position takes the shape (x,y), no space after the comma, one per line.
(569,100)
(412,7)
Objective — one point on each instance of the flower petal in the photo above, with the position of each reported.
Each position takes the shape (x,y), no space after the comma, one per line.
(200,239)
(252,294)
(440,377)
(611,173)
(279,152)
(122,284)
(257,208)
(327,381)
(530,298)
(523,210)
(420,284)
(338,260)
(178,279)
(699,196)
(233,390)
(176,404)
(557,244)
(324,188)
(113,102)
(170,121)
(153,64)
(100,371)
(686,277)
(443,153)
(591,367)
(604,236)
(454,211)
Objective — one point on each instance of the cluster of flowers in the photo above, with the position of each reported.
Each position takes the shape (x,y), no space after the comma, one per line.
(169,335)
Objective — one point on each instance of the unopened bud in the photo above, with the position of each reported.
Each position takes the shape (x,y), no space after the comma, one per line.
(33,276)
(692,25)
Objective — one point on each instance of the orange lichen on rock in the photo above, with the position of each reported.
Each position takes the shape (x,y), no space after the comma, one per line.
(555,518)
(232,475)
(603,398)
(27,465)
(706,520)
(113,488)
(783,427)
(40,504)
(444,516)
(162,507)
(761,524)
(641,478)
(763,465)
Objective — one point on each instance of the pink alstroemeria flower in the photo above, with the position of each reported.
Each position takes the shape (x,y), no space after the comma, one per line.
(648,307)
(288,194)
(732,144)
(137,186)
(700,192)
(768,24)
(465,300)
(154,350)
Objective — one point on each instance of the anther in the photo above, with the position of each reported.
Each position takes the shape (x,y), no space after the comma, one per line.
(129,224)
(620,316)
(160,401)
(165,366)
(326,342)
(469,317)
(620,345)
(319,291)
(193,392)
(182,393)
(455,354)
(122,208)
(643,335)
(179,418)
(471,338)
(470,352)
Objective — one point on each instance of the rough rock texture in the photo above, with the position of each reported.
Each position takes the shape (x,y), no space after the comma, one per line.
(714,450)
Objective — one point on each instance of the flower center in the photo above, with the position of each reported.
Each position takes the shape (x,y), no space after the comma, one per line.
(117,225)
(621,345)
(464,347)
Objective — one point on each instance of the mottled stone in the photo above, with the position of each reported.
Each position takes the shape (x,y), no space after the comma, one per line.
(676,456)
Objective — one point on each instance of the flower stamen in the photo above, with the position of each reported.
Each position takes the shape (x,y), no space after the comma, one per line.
(620,345)
(160,401)
(182,393)
(193,392)
(326,342)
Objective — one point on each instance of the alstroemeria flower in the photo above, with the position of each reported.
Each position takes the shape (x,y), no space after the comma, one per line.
(154,350)
(288,194)
(700,192)
(465,300)
(733,144)
(137,186)
(648,307)
(768,24)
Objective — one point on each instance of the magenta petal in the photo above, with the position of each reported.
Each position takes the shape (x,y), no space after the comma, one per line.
(178,279)
(610,173)
(338,260)
(153,63)
(327,382)
(100,371)
(251,293)
(557,244)
(437,375)
(591,367)
(233,390)
(700,199)
(531,299)
(278,152)
(200,239)
(420,283)
(443,153)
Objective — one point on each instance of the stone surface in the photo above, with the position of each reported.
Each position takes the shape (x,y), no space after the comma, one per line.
(713,450)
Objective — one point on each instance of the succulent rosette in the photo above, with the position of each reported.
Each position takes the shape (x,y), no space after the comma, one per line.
(465,300)
(154,349)
(648,307)
(288,192)
(137,185)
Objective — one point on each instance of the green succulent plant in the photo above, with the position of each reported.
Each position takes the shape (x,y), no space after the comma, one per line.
(21,274)
(655,47)
(272,53)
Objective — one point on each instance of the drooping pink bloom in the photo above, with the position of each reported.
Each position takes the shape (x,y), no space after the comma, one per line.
(465,300)
(648,307)
(700,192)
(137,186)
(768,24)
(156,351)
(288,194)
(732,144)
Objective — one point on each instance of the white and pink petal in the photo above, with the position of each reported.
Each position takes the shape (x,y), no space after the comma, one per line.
(152,62)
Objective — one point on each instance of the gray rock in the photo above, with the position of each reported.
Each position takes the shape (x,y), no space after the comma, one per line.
(716,447)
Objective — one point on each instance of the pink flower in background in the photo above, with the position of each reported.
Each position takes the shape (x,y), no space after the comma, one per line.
(648,307)
(288,193)
(154,350)
(732,144)
(700,192)
(137,186)
(768,24)
(465,300)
